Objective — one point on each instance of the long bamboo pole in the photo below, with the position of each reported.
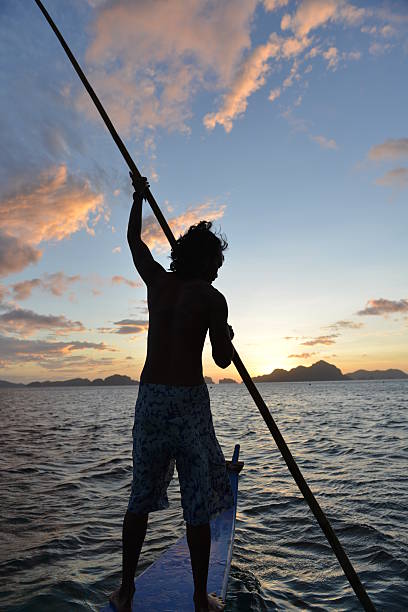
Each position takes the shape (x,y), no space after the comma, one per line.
(256,396)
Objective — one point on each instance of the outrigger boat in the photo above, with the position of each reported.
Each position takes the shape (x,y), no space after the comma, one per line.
(167,584)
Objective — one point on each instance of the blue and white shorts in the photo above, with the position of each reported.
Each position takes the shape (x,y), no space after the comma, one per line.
(173,426)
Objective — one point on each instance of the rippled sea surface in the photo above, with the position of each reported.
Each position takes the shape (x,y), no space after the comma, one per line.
(66,468)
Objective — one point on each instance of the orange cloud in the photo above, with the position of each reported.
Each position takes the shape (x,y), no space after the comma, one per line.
(301,356)
(327,340)
(153,234)
(312,14)
(163,51)
(272,5)
(52,207)
(251,77)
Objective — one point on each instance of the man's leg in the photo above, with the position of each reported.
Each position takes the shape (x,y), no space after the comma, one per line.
(199,543)
(133,535)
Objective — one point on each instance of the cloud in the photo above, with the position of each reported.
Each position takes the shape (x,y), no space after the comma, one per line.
(117,249)
(131,326)
(379,48)
(274,93)
(117,280)
(15,255)
(346,325)
(251,76)
(393,148)
(27,322)
(57,284)
(331,55)
(327,340)
(383,307)
(325,143)
(50,207)
(272,5)
(3,293)
(15,350)
(149,58)
(301,356)
(312,14)
(153,234)
(398,177)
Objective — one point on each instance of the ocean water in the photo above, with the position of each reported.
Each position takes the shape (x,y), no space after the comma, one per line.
(65,474)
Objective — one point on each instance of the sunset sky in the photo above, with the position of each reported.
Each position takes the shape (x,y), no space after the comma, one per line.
(283,121)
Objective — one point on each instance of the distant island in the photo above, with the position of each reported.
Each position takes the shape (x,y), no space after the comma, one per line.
(111,381)
(319,371)
(322,371)
(377,375)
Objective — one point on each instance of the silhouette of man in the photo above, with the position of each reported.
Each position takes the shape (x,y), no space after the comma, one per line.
(173,423)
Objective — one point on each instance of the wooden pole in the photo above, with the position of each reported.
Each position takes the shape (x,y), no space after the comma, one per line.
(256,396)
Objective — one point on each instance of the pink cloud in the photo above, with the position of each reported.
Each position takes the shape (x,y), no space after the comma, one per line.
(15,350)
(27,322)
(301,356)
(15,255)
(131,326)
(393,148)
(398,177)
(57,284)
(383,307)
(117,280)
(325,143)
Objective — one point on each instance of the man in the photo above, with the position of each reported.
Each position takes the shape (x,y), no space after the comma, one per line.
(173,422)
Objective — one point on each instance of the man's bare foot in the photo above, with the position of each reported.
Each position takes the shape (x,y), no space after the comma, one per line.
(122,602)
(214,604)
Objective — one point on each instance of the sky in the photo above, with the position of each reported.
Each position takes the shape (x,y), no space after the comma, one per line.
(282,121)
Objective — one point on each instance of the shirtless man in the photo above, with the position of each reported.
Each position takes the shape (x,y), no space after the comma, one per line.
(173,423)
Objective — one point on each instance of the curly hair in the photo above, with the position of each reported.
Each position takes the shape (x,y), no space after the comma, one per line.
(193,248)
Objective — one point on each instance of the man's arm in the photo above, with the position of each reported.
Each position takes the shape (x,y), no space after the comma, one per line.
(220,331)
(148,268)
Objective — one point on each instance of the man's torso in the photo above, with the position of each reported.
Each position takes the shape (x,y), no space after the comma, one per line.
(178,322)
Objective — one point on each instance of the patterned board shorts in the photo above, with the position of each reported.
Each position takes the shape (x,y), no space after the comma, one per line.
(173,426)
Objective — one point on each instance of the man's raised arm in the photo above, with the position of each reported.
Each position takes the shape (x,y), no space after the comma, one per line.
(148,268)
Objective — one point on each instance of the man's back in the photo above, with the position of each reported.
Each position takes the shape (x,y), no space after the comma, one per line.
(179,317)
